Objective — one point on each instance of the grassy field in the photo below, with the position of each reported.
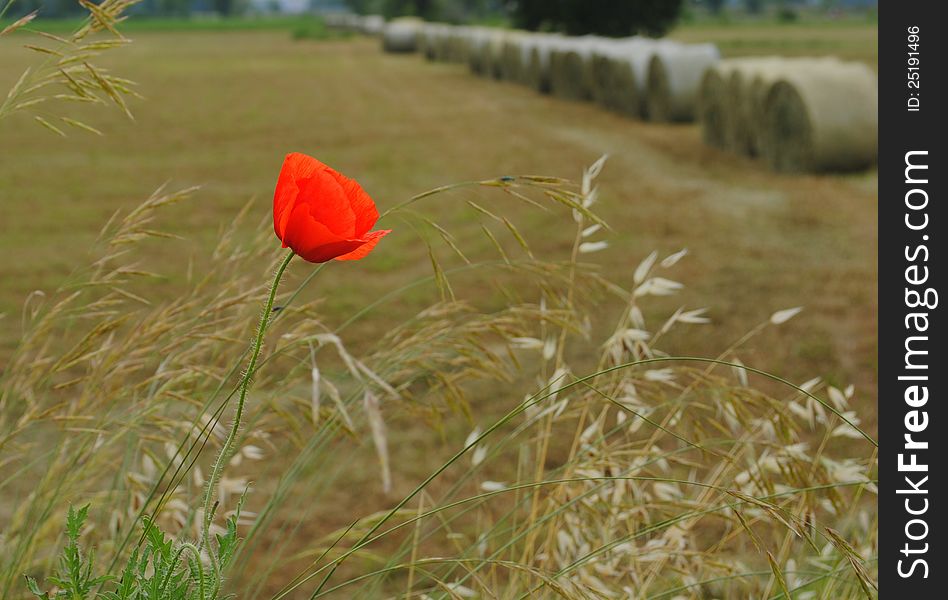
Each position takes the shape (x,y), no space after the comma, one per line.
(221,108)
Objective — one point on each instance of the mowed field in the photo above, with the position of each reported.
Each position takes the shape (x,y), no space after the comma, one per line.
(221,109)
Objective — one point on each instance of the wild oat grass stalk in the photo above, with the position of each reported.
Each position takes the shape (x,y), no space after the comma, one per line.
(68,72)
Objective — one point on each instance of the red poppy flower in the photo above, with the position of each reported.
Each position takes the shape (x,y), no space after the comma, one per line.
(321,214)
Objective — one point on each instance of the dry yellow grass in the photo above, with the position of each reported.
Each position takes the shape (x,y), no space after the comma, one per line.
(759,242)
(222,109)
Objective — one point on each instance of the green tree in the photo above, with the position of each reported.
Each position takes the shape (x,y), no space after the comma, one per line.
(603,17)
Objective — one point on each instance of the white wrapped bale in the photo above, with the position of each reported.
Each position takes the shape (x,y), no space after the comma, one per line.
(674,78)
(822,118)
(401,35)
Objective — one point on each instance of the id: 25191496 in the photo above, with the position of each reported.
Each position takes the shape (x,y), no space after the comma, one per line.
(914,77)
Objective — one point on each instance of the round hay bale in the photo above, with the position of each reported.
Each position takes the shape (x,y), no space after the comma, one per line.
(753,102)
(711,109)
(477,49)
(714,103)
(537,70)
(401,35)
(527,43)
(372,24)
(741,134)
(352,23)
(512,63)
(426,40)
(674,77)
(433,40)
(600,70)
(618,74)
(493,55)
(822,118)
(334,20)
(457,44)
(571,68)
(442,42)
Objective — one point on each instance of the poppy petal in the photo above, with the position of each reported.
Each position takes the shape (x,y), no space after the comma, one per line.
(367,244)
(328,203)
(359,201)
(303,233)
(295,165)
(327,252)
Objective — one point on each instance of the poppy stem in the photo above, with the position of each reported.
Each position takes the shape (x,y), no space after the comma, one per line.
(228,447)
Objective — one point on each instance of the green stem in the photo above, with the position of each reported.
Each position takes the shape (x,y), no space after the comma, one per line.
(244,386)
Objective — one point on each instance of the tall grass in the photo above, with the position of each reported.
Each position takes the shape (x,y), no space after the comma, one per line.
(528,438)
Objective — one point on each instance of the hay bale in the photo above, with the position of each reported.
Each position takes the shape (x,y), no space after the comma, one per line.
(674,78)
(746,76)
(432,40)
(512,56)
(442,42)
(457,45)
(493,55)
(571,67)
(537,69)
(372,24)
(401,35)
(484,50)
(334,20)
(476,50)
(753,104)
(600,69)
(714,103)
(618,70)
(425,40)
(823,117)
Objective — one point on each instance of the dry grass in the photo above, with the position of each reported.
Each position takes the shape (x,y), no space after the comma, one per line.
(852,40)
(759,243)
(640,475)
(400,126)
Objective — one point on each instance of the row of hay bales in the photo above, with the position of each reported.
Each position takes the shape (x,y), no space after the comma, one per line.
(797,114)
(365,24)
(640,77)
